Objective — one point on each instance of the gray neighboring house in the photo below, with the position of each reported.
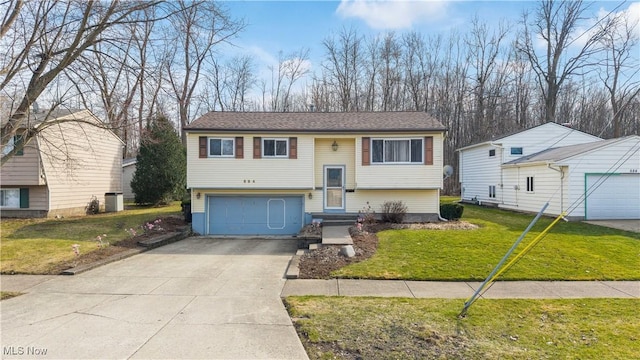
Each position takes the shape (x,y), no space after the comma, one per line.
(128,169)
(71,160)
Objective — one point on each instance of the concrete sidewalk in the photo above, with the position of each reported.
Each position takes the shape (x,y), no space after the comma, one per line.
(464,290)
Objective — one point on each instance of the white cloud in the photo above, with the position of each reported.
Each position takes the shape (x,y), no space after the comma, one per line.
(392,14)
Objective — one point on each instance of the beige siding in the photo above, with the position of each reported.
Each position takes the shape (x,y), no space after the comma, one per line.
(197,205)
(385,176)
(80,161)
(345,155)
(38,199)
(23,169)
(249,173)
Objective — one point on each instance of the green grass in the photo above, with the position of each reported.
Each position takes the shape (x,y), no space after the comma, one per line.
(395,328)
(8,294)
(35,246)
(571,251)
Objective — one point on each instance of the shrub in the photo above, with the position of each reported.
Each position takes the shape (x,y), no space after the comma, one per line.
(451,211)
(393,211)
(366,216)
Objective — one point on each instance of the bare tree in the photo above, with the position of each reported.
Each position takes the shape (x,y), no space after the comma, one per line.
(622,66)
(289,70)
(43,39)
(343,67)
(195,29)
(557,24)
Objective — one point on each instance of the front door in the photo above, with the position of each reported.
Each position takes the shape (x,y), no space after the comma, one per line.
(334,188)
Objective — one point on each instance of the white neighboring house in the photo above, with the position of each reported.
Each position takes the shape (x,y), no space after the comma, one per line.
(128,169)
(480,165)
(593,181)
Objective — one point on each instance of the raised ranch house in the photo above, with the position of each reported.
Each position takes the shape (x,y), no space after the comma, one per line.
(481,172)
(271,173)
(66,165)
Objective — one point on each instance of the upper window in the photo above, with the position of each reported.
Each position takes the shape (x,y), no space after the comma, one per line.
(492,152)
(275,147)
(396,151)
(221,147)
(10,198)
(11,144)
(516,151)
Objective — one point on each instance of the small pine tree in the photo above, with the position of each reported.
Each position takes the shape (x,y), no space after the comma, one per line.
(161,167)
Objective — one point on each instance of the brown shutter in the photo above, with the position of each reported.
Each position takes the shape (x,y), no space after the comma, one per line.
(366,156)
(239,147)
(257,147)
(293,148)
(428,150)
(202,142)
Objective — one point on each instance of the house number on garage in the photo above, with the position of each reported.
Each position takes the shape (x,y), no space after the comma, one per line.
(633,171)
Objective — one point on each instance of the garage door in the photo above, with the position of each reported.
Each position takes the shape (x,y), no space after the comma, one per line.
(618,197)
(254,215)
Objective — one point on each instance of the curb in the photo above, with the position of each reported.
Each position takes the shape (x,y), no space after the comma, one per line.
(293,270)
(146,245)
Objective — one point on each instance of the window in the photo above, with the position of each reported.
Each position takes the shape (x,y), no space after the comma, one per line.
(516,151)
(396,151)
(275,147)
(221,147)
(492,152)
(492,191)
(529,183)
(11,144)
(10,198)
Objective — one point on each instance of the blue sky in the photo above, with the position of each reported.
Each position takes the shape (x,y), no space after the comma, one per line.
(287,26)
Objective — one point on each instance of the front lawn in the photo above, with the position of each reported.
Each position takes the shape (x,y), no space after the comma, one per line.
(37,246)
(399,328)
(571,251)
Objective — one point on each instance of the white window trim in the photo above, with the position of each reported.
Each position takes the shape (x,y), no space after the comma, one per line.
(233,147)
(384,162)
(10,207)
(286,155)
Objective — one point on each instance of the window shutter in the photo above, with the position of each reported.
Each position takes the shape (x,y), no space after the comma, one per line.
(239,147)
(202,144)
(293,148)
(366,155)
(257,147)
(17,142)
(24,198)
(428,150)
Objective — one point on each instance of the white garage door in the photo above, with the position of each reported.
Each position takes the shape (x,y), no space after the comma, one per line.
(613,197)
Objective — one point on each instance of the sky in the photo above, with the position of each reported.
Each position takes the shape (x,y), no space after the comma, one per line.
(287,26)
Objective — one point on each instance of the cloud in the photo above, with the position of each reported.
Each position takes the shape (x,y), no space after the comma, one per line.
(392,14)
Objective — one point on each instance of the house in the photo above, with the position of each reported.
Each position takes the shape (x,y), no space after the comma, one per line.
(67,164)
(128,169)
(593,181)
(480,165)
(271,173)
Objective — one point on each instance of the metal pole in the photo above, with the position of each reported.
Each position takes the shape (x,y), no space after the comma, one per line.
(473,298)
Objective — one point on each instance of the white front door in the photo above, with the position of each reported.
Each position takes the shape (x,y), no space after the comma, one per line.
(334,188)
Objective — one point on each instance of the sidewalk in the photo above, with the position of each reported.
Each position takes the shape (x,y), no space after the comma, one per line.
(464,290)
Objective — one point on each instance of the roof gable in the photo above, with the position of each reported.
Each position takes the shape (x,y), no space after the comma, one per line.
(300,122)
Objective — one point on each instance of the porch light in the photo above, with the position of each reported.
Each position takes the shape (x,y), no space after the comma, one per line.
(334,146)
(310,196)
(198,196)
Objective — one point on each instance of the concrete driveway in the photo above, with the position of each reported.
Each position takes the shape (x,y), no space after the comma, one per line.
(626,225)
(200,298)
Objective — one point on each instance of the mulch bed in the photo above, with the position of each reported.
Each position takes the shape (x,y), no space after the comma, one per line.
(168,224)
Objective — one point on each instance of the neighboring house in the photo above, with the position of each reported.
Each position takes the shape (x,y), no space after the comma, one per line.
(271,173)
(480,165)
(592,181)
(62,168)
(128,169)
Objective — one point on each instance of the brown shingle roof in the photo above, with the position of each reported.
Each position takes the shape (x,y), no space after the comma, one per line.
(316,122)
